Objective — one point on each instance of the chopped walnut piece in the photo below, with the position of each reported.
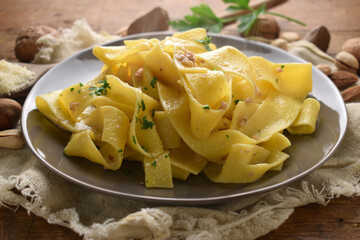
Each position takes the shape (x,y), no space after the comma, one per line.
(243,121)
(223,105)
(248,100)
(186,58)
(139,75)
(74,105)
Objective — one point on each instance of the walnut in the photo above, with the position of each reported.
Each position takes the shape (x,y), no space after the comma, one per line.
(266,27)
(26,46)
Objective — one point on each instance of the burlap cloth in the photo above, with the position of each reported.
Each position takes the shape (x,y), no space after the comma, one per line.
(95,215)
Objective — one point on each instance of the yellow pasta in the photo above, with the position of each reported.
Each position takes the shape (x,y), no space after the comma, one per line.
(182,106)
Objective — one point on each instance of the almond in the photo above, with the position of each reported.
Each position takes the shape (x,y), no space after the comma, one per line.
(280,43)
(351,94)
(343,78)
(325,68)
(290,36)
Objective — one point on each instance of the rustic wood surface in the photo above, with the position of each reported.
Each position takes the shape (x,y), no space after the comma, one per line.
(339,219)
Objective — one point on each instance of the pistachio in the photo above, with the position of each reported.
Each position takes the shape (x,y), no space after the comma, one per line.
(10,111)
(290,36)
(280,43)
(319,36)
(346,61)
(343,78)
(11,139)
(325,68)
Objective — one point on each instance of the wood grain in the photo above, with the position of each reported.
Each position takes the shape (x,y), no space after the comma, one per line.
(340,219)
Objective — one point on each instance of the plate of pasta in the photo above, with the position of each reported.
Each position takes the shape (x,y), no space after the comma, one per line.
(185,117)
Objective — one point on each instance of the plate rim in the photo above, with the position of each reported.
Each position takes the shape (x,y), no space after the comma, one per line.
(176,200)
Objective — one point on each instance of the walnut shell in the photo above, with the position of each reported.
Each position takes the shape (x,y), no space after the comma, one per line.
(10,111)
(266,27)
(26,46)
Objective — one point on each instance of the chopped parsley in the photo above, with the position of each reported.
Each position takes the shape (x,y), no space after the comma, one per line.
(120,151)
(167,155)
(79,91)
(80,84)
(236,101)
(142,105)
(153,163)
(227,136)
(277,80)
(102,89)
(153,112)
(71,89)
(134,140)
(259,130)
(282,66)
(145,88)
(206,107)
(144,148)
(205,41)
(146,123)
(153,81)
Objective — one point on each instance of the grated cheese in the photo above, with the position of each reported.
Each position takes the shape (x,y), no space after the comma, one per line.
(73,39)
(13,77)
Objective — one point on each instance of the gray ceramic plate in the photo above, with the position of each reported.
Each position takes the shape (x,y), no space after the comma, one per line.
(47,142)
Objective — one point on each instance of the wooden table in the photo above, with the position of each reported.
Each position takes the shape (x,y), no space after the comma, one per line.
(340,219)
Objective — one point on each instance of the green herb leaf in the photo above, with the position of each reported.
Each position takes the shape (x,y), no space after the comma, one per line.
(153,81)
(238,4)
(203,17)
(205,41)
(146,123)
(71,89)
(134,139)
(236,101)
(206,107)
(153,163)
(120,151)
(102,89)
(144,148)
(142,105)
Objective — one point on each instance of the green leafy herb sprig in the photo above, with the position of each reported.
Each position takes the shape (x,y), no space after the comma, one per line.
(204,17)
(102,89)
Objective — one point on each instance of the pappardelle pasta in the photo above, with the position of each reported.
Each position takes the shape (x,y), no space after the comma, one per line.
(181,106)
